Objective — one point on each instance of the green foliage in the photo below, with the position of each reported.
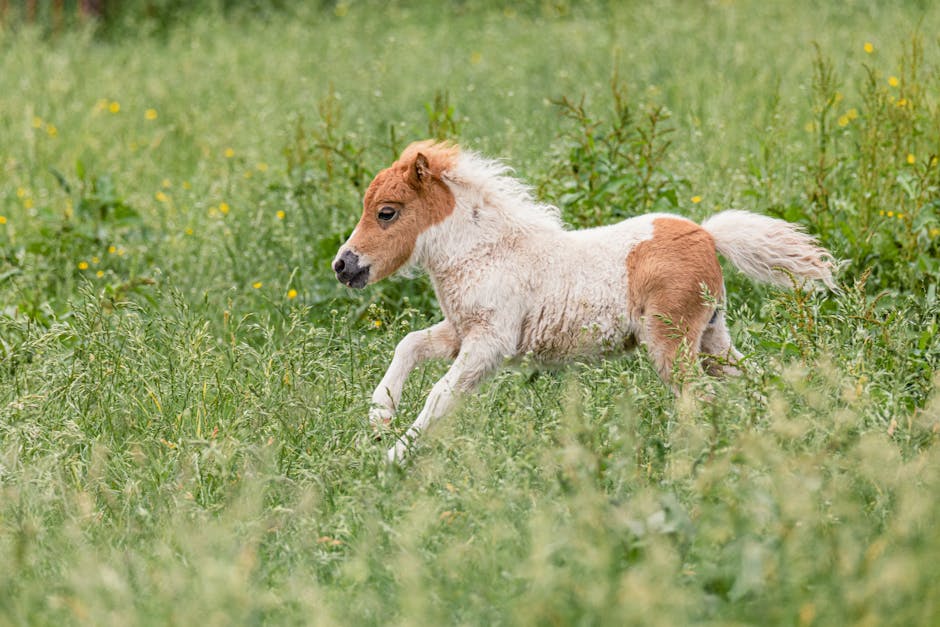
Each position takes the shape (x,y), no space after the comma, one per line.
(184,386)
(874,181)
(613,169)
(442,121)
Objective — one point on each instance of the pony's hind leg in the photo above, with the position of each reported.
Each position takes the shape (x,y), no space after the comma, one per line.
(719,356)
(672,279)
(673,345)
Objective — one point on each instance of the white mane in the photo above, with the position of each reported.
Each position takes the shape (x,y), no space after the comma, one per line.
(492,188)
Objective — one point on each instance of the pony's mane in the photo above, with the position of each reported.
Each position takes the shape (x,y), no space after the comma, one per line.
(500,191)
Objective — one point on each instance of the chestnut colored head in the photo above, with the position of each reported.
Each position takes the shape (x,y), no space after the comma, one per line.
(401,203)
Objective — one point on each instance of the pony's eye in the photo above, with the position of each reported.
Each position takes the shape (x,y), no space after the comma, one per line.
(387,214)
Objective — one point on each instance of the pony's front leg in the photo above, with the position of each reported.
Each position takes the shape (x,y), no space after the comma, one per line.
(436,342)
(473,363)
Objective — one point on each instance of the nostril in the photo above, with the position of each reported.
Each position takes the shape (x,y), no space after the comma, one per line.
(339,265)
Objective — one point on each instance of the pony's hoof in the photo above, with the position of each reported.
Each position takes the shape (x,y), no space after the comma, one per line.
(396,454)
(379,431)
(380,416)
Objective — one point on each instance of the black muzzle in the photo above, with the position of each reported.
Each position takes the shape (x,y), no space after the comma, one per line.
(349,272)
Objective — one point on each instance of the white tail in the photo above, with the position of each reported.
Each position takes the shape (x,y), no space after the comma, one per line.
(769,250)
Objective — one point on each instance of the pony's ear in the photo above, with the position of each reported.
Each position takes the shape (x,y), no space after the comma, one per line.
(422,169)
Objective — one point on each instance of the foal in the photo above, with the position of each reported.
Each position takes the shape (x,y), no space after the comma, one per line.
(512,281)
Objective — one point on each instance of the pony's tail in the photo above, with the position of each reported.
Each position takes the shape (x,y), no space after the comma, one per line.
(770,250)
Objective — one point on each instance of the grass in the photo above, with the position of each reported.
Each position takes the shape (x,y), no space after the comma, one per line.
(184,392)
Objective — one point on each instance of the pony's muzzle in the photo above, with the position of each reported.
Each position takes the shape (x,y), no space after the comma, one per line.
(349,271)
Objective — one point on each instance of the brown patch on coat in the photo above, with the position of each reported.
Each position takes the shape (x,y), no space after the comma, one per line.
(414,186)
(666,276)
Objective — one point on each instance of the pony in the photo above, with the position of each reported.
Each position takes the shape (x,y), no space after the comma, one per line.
(512,281)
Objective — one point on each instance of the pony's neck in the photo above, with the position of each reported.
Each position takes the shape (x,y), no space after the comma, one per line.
(476,232)
(459,240)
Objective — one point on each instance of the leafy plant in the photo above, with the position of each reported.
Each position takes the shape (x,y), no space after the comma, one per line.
(612,168)
(443,122)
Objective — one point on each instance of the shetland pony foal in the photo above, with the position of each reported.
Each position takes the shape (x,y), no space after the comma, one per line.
(512,281)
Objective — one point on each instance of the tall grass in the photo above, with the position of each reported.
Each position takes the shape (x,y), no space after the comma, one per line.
(183,431)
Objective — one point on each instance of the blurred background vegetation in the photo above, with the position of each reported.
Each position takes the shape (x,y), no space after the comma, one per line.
(184,385)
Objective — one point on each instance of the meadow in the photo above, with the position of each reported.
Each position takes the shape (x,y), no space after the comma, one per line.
(184,386)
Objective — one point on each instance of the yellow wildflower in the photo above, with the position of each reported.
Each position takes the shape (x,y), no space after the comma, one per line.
(291,294)
(188,231)
(150,114)
(890,214)
(696,199)
(900,216)
(95,260)
(186,185)
(851,113)
(99,273)
(893,81)
(224,208)
(114,107)
(257,285)
(229,153)
(376,324)
(911,159)
(28,203)
(280,214)
(262,167)
(807,613)
(166,184)
(3,219)
(51,130)
(843,120)
(112,249)
(82,265)
(902,102)
(868,47)
(160,196)
(934,232)
(37,121)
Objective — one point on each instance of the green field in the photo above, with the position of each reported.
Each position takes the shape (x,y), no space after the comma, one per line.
(184,386)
